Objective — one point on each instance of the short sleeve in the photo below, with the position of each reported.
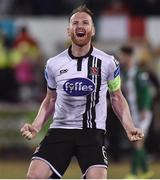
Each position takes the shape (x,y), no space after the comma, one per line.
(49,76)
(114,80)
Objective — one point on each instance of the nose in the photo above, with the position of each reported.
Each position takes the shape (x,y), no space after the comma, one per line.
(80,24)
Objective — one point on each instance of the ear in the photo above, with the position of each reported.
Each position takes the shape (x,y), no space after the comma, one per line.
(93,31)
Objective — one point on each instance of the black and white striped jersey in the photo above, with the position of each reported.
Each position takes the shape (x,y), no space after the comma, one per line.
(81,85)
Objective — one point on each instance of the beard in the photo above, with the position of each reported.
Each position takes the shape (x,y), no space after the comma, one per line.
(81,41)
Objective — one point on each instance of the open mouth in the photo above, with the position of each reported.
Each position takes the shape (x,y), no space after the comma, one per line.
(80,33)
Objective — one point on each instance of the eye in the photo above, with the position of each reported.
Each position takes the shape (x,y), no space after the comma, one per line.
(85,22)
(74,22)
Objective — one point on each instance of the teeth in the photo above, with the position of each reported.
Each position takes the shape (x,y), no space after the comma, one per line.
(80,34)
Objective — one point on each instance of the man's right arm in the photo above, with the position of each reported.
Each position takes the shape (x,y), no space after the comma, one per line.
(46,109)
(121,109)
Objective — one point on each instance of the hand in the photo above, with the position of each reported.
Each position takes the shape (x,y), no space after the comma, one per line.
(135,135)
(29,131)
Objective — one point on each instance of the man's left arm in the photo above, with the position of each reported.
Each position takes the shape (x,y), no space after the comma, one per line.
(121,109)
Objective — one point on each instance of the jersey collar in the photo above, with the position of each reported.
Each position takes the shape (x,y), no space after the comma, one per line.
(81,57)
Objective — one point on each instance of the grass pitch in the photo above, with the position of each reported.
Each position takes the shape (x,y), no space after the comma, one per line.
(17,169)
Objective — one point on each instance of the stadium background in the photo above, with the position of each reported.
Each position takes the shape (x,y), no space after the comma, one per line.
(33,31)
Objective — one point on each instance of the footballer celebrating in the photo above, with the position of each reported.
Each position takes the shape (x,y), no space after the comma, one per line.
(78,80)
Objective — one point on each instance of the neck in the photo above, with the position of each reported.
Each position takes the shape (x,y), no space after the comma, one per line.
(79,51)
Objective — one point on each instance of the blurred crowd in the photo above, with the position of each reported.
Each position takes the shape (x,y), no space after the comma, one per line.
(20,66)
(63,7)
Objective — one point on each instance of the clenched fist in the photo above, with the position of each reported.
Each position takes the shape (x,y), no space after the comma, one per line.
(29,131)
(135,135)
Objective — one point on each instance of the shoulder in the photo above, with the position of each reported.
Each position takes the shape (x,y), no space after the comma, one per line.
(106,58)
(103,56)
(58,59)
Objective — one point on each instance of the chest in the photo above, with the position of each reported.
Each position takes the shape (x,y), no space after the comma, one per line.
(79,77)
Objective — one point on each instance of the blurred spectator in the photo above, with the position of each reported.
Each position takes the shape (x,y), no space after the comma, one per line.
(26,58)
(3,38)
(137,89)
(8,28)
(147,62)
(8,90)
(24,37)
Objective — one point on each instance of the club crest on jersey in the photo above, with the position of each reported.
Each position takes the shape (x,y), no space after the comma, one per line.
(79,87)
(94,71)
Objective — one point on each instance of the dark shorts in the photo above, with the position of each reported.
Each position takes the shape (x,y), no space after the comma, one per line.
(60,145)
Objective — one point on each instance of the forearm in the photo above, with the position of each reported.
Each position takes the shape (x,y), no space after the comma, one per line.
(46,109)
(121,109)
